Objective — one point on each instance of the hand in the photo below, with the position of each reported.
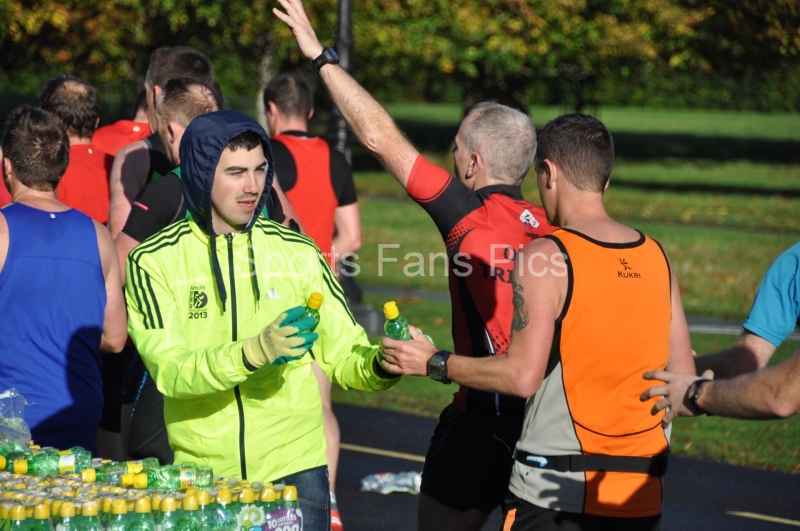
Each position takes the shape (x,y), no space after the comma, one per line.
(674,393)
(408,357)
(295,17)
(279,342)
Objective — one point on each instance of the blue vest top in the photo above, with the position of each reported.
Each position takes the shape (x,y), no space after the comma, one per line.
(52,306)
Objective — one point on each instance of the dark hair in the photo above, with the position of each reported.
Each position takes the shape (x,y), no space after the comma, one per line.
(291,93)
(248,140)
(180,61)
(37,145)
(183,99)
(141,102)
(73,101)
(581,146)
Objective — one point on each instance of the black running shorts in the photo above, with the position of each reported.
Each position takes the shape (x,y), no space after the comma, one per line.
(469,461)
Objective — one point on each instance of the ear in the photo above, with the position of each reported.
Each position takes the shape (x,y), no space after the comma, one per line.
(271,108)
(8,171)
(311,114)
(173,129)
(552,173)
(475,164)
(608,181)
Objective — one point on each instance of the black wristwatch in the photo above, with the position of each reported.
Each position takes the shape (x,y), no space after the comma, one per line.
(693,395)
(437,366)
(328,57)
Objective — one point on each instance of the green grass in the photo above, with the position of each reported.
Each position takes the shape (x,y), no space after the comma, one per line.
(718,269)
(768,444)
(663,121)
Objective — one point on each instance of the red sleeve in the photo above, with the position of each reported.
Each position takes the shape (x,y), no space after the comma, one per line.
(5,197)
(427,180)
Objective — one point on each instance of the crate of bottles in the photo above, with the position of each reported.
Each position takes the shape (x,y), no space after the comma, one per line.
(43,489)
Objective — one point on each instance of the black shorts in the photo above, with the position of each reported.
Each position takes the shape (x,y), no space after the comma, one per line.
(114,368)
(133,375)
(469,461)
(519,515)
(148,432)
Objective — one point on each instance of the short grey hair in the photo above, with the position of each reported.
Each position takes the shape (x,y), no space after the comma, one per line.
(505,138)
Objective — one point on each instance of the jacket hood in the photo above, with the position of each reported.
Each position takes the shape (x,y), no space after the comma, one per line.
(201,147)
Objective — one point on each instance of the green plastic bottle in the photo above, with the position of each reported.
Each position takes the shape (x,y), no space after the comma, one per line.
(143,517)
(190,519)
(17,519)
(396,326)
(50,463)
(90,520)
(111,473)
(41,519)
(267,500)
(312,310)
(223,518)
(119,516)
(169,514)
(13,457)
(204,510)
(205,478)
(165,479)
(67,520)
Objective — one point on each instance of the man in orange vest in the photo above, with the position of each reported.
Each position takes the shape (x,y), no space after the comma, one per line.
(318,182)
(596,304)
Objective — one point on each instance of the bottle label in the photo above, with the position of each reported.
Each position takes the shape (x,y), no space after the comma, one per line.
(134,467)
(66,464)
(188,478)
(286,519)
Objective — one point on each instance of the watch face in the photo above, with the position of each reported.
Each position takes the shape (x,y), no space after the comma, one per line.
(435,367)
(332,55)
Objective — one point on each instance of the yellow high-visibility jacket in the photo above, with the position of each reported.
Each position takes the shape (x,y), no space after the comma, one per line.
(259,425)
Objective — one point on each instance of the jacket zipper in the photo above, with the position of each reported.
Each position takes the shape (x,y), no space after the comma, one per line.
(236,390)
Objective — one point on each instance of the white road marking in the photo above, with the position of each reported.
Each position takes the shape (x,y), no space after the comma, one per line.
(385,453)
(765,518)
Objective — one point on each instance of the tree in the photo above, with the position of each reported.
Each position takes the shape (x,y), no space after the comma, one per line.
(495,48)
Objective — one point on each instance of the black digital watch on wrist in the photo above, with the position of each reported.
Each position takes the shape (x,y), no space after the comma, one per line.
(437,366)
(328,57)
(693,394)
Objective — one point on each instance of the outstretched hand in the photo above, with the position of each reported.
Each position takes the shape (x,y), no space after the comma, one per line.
(673,392)
(408,357)
(295,17)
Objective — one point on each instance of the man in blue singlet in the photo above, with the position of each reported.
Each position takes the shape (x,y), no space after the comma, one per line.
(60,293)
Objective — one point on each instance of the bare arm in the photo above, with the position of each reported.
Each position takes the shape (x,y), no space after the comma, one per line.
(128,177)
(768,393)
(680,345)
(521,370)
(370,122)
(124,245)
(748,354)
(348,230)
(115,322)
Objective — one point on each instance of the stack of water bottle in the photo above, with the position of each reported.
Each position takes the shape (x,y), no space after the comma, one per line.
(44,489)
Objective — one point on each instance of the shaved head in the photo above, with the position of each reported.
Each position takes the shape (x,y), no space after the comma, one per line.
(73,101)
(183,100)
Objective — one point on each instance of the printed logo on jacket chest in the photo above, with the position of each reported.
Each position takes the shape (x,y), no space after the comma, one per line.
(627,272)
(198,300)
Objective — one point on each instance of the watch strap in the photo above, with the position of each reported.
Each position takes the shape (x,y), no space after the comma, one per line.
(693,395)
(327,56)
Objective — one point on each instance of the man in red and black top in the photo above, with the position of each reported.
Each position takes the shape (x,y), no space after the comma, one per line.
(318,182)
(113,137)
(484,221)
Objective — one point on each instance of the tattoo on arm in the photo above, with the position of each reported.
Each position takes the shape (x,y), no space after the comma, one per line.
(520,319)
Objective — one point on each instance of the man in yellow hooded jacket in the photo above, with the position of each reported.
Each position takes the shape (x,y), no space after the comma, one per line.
(213,308)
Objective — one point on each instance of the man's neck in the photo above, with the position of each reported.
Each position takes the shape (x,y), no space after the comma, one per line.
(75,140)
(141,118)
(290,124)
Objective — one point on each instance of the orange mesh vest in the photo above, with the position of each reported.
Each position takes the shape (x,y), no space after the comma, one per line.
(614,327)
(313,196)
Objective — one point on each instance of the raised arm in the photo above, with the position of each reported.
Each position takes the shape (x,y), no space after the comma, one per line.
(115,322)
(370,122)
